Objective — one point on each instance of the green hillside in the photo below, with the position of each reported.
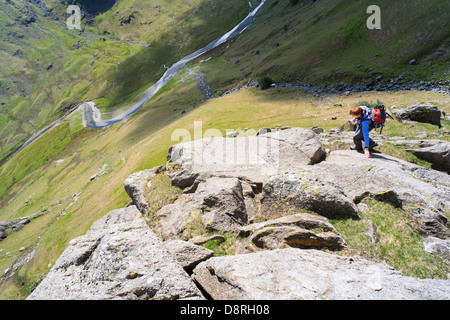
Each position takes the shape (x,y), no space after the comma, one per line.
(315,42)
(47,69)
(326,42)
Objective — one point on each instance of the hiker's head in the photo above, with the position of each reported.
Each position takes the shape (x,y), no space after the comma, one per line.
(357,112)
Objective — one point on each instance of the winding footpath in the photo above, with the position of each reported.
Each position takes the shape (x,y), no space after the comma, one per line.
(92,116)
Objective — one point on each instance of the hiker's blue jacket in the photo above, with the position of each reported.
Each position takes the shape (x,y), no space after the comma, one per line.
(366,125)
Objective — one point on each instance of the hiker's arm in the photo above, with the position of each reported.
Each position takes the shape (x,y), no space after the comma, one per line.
(365,130)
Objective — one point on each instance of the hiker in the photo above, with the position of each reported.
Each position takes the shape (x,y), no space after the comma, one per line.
(364,122)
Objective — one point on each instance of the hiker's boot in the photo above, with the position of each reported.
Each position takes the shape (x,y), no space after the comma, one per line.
(373,146)
(356,148)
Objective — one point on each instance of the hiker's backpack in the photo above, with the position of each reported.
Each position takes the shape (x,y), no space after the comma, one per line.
(377,115)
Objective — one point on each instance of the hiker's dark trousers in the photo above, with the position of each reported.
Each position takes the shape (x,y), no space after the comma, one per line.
(358,138)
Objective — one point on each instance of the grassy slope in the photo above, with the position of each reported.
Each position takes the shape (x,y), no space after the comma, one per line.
(400,243)
(323,42)
(142,142)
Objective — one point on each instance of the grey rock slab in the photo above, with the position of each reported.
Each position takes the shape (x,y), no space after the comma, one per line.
(253,158)
(292,274)
(435,151)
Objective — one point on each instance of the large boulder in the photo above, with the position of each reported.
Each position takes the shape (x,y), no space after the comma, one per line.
(306,188)
(252,158)
(293,274)
(427,113)
(118,258)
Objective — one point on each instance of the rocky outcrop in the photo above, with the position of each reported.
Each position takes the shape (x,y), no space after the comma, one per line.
(9,227)
(227,202)
(276,212)
(118,258)
(348,180)
(219,190)
(310,274)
